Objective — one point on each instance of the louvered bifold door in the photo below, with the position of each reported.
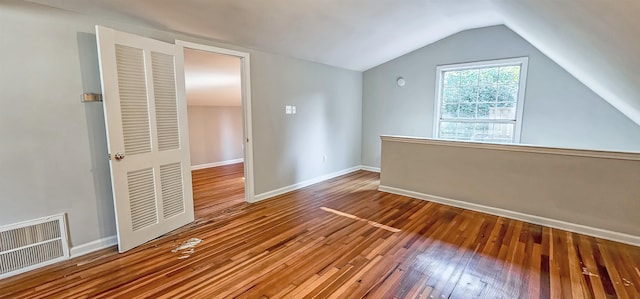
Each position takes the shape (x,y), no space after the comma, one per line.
(146,120)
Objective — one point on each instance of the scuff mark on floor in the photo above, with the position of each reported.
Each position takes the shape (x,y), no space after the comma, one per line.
(586,271)
(372,223)
(187,248)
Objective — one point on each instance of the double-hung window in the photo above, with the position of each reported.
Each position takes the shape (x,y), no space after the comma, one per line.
(481,101)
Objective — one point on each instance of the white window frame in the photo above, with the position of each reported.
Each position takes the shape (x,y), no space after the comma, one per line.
(521,61)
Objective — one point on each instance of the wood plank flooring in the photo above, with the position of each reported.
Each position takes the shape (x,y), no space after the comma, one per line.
(216,189)
(344,239)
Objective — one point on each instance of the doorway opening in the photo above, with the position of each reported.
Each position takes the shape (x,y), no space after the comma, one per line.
(217,94)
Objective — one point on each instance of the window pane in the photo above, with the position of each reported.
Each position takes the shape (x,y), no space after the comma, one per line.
(488,94)
(508,93)
(505,111)
(451,78)
(488,75)
(502,113)
(509,74)
(450,95)
(469,94)
(506,104)
(467,111)
(485,132)
(448,130)
(464,131)
(481,130)
(493,132)
(485,110)
(500,132)
(449,111)
(469,77)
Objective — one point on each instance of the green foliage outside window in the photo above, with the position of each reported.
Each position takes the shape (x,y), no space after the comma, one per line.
(489,93)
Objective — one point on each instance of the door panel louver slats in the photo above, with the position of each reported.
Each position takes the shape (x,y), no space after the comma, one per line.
(165,100)
(145,115)
(172,190)
(32,244)
(142,196)
(133,100)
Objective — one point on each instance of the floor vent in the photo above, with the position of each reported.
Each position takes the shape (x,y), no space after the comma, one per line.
(32,244)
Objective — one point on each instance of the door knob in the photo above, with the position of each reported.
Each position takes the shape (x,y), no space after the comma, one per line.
(118,156)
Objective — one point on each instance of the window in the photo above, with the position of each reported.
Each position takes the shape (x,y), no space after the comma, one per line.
(481,101)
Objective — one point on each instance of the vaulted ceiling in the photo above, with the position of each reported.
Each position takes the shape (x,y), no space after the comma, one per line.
(595,40)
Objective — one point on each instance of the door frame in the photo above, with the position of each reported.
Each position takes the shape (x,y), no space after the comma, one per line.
(249,193)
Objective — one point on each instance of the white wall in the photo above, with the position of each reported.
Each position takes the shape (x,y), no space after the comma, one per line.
(53,156)
(558,111)
(215,134)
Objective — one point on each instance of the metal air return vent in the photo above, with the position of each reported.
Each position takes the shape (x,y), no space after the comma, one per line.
(32,244)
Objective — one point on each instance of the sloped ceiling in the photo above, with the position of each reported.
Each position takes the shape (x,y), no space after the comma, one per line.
(595,40)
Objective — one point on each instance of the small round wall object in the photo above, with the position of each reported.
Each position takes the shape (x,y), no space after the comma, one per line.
(401,82)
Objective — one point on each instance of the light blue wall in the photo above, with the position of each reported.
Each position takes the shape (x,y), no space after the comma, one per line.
(559,111)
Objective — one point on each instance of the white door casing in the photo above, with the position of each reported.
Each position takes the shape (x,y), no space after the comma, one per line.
(146,118)
(246,108)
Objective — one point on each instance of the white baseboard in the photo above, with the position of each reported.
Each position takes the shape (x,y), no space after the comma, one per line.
(572,227)
(92,246)
(370,168)
(303,184)
(216,164)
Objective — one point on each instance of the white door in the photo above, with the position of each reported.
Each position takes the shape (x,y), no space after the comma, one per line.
(147,135)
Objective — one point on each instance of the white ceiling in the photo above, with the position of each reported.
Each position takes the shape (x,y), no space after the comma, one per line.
(596,40)
(212,79)
(352,34)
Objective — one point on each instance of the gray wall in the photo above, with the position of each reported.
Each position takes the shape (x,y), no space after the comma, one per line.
(597,192)
(215,134)
(53,154)
(54,147)
(290,148)
(558,111)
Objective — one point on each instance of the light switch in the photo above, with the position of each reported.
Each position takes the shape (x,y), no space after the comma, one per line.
(287,109)
(293,109)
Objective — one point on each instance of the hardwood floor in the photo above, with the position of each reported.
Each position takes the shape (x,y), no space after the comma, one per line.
(344,239)
(216,189)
